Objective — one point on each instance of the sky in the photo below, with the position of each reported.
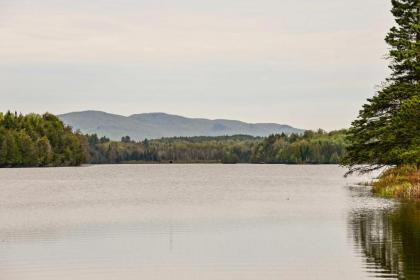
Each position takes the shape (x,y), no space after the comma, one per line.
(310,64)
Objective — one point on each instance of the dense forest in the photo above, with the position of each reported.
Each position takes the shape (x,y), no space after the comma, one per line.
(311,147)
(35,140)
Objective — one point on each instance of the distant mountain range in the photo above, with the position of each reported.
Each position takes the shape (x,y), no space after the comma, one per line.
(158,125)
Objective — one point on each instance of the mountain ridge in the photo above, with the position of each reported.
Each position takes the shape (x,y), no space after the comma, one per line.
(158,124)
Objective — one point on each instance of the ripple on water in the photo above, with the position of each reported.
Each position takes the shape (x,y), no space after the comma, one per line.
(201,222)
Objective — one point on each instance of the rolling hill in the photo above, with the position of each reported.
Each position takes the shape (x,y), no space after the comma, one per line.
(158,125)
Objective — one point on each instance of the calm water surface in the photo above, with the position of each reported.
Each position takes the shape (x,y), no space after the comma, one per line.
(201,222)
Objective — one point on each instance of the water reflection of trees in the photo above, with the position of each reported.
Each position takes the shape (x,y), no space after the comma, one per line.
(389,240)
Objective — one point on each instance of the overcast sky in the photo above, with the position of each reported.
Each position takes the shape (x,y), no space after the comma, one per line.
(306,63)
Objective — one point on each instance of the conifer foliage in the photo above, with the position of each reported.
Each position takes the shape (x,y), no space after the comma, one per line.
(387,130)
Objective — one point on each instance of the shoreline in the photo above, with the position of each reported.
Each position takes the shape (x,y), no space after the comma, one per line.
(401,182)
(168,163)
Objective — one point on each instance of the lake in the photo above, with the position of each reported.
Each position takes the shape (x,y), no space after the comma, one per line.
(202,222)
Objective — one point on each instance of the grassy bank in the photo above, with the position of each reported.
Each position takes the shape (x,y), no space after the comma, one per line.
(400,182)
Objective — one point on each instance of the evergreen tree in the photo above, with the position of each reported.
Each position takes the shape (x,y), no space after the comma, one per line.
(387,130)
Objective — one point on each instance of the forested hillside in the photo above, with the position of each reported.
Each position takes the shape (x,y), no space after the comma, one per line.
(35,140)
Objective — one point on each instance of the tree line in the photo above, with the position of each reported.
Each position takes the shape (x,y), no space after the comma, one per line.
(35,140)
(310,147)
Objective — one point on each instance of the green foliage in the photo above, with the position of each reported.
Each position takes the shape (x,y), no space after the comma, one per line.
(230,158)
(387,131)
(175,149)
(311,147)
(404,40)
(35,140)
(126,139)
